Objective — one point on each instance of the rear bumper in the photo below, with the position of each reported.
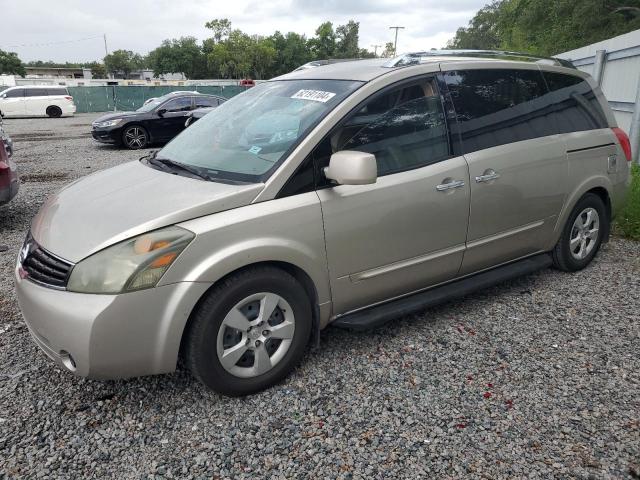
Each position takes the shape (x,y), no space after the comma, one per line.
(109,336)
(7,194)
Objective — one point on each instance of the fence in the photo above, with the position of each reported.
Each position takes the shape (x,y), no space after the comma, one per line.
(615,65)
(110,98)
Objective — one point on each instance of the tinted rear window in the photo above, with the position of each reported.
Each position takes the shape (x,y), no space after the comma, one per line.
(57,91)
(497,107)
(576,105)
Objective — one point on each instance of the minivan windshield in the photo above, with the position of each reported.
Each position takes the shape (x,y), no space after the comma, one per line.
(245,138)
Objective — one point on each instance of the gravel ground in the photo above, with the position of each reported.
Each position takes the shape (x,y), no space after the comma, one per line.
(539,378)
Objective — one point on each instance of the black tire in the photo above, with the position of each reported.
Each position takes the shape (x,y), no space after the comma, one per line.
(54,112)
(135,137)
(563,258)
(201,339)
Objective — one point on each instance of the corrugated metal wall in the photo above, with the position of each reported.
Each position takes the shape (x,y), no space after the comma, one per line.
(621,72)
(123,98)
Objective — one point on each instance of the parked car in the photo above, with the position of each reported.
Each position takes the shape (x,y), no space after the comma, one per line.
(9,182)
(36,101)
(198,113)
(157,121)
(177,92)
(347,195)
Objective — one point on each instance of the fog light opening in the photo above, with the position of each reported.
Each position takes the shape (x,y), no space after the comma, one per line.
(68,361)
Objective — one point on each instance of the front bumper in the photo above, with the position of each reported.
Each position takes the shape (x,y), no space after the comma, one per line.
(106,136)
(109,336)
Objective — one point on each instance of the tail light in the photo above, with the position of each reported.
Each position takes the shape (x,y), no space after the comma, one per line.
(69,97)
(625,144)
(5,169)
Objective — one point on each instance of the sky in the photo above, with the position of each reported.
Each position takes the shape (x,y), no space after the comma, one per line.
(71,30)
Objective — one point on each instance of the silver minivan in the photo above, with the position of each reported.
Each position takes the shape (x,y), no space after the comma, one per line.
(346,194)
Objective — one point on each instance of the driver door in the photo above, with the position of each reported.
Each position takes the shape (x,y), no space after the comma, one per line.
(172,120)
(407,231)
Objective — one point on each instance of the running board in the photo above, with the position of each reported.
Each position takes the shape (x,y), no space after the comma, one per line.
(378,315)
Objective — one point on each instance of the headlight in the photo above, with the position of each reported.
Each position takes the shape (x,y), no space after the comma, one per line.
(108,123)
(134,264)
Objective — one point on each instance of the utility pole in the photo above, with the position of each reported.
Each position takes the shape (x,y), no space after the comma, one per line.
(106,51)
(395,43)
(375,49)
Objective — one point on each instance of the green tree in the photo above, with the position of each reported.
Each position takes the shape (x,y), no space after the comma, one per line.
(323,45)
(124,61)
(97,69)
(10,64)
(182,55)
(292,50)
(347,36)
(388,51)
(547,28)
(221,28)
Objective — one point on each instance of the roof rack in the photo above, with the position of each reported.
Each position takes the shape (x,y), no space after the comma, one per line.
(414,58)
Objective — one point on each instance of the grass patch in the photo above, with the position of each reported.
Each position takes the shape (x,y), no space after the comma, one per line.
(628,220)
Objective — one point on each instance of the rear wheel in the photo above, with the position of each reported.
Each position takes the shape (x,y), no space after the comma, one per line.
(249,332)
(54,112)
(135,137)
(582,235)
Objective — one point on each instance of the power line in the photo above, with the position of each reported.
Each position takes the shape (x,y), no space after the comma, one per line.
(53,43)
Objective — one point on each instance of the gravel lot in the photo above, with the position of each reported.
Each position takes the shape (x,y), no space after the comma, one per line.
(539,378)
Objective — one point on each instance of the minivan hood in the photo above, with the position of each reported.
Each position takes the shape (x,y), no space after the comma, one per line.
(121,202)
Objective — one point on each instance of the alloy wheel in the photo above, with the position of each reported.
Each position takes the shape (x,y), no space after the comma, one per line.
(135,137)
(255,335)
(584,233)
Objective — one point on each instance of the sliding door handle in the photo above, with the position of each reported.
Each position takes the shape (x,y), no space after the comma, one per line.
(443,187)
(487,176)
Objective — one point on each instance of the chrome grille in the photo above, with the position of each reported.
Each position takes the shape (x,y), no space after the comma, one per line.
(43,267)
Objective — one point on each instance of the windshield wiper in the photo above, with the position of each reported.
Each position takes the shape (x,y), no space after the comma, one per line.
(168,164)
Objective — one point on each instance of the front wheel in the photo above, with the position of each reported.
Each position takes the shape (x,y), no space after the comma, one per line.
(135,137)
(582,234)
(249,332)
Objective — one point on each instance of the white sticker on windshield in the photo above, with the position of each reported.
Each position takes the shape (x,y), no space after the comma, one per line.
(314,95)
(255,150)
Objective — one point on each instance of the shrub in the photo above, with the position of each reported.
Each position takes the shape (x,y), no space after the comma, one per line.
(628,221)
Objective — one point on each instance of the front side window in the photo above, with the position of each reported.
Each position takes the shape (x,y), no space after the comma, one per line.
(247,137)
(182,104)
(497,107)
(403,127)
(15,93)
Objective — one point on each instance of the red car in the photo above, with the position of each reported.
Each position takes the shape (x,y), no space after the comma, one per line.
(8,171)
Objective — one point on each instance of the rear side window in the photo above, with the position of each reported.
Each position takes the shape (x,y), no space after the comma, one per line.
(497,107)
(576,107)
(57,91)
(18,92)
(206,102)
(181,104)
(36,92)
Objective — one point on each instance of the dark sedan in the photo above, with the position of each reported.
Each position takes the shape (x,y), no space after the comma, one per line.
(156,122)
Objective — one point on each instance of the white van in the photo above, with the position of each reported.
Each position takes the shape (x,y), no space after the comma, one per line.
(36,100)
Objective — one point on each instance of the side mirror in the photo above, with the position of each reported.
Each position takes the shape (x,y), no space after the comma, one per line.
(161,112)
(349,167)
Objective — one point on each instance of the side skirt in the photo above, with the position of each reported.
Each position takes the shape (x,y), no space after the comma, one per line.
(378,315)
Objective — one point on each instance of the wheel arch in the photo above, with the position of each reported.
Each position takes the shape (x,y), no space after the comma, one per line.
(295,271)
(598,185)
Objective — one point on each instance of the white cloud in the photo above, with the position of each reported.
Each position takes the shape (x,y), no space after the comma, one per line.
(30,27)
